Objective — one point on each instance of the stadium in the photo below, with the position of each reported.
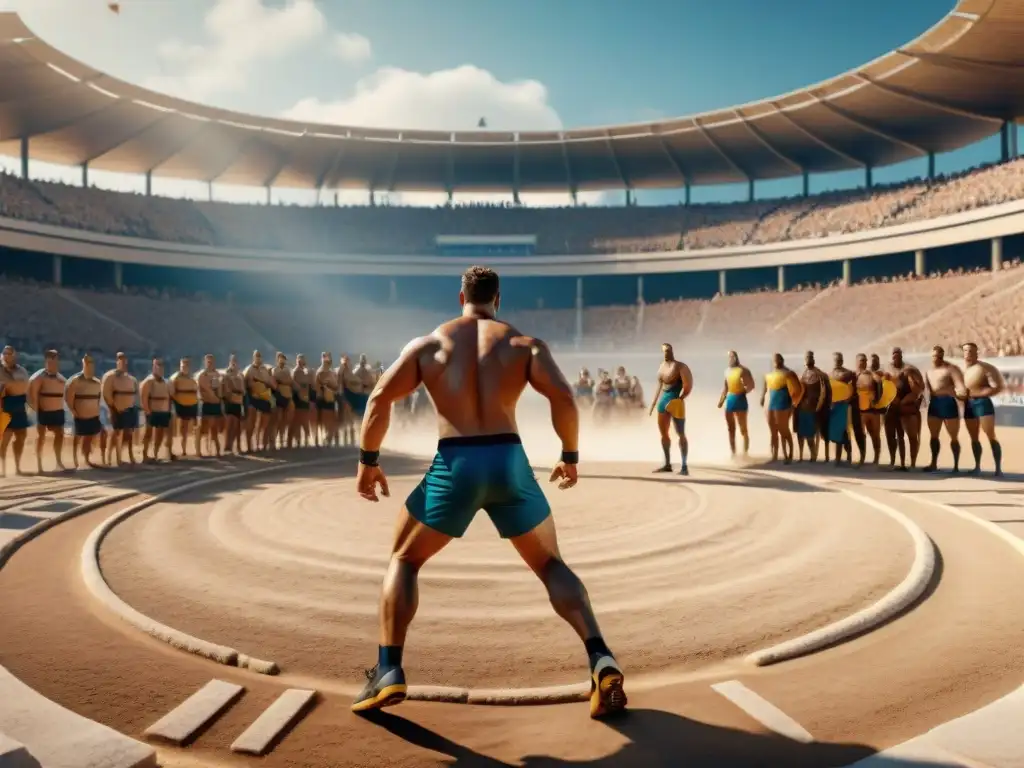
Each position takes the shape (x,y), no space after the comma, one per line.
(213,612)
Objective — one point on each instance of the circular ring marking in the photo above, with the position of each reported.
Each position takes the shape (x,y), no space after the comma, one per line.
(898,599)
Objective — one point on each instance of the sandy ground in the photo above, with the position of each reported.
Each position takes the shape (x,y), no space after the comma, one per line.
(291,571)
(683,572)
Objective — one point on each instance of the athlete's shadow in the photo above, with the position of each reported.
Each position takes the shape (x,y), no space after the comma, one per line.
(662,740)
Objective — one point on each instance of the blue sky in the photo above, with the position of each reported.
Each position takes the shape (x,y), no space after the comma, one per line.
(529,64)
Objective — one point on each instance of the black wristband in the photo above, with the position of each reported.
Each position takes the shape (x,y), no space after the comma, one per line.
(570,457)
(369,458)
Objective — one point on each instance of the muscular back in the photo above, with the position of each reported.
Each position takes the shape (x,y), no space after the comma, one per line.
(475,370)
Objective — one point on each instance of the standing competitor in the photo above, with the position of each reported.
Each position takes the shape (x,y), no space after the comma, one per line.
(475,368)
(885,393)
(810,415)
(843,383)
(738,384)
(120,393)
(905,411)
(675,382)
(233,387)
(983,382)
(13,408)
(326,384)
(155,399)
(185,393)
(301,418)
(46,398)
(783,391)
(944,383)
(211,413)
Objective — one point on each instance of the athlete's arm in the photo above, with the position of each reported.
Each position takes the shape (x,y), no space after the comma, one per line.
(397,382)
(546,377)
(996,383)
(687,377)
(748,381)
(916,381)
(144,396)
(959,387)
(725,391)
(34,385)
(657,396)
(107,387)
(69,393)
(764,391)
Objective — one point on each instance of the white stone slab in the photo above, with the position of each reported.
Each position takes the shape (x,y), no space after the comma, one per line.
(275,719)
(184,722)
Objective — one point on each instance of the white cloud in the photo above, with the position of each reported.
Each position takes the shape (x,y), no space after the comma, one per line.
(351,47)
(240,34)
(449,99)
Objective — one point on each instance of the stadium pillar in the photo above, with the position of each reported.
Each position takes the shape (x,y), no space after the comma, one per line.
(118,275)
(721,282)
(687,198)
(392,291)
(1014,141)
(919,265)
(149,183)
(869,177)
(846,271)
(639,304)
(575,197)
(579,311)
(58,269)
(1004,140)
(782,279)
(997,254)
(209,191)
(931,166)
(750,190)
(807,184)
(85,175)
(515,197)
(268,195)
(24,157)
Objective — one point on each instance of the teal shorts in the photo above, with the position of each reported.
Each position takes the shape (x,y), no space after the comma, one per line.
(779,399)
(488,472)
(357,401)
(736,402)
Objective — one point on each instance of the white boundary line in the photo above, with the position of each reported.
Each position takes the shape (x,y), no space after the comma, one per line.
(896,600)
(762,710)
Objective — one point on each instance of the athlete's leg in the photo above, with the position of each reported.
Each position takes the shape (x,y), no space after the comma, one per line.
(785,418)
(684,445)
(988,426)
(568,596)
(730,425)
(741,422)
(664,420)
(415,543)
(773,430)
(974,433)
(912,429)
(953,430)
(934,430)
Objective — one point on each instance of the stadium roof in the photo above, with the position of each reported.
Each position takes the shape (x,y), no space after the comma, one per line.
(952,86)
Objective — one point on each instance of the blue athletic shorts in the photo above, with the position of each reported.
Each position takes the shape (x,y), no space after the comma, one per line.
(979,406)
(186,412)
(488,472)
(806,424)
(736,402)
(17,407)
(839,422)
(53,418)
(779,399)
(159,419)
(357,401)
(126,419)
(943,407)
(88,427)
(212,410)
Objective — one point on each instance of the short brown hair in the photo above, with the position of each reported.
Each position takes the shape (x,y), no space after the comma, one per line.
(480,285)
(51,354)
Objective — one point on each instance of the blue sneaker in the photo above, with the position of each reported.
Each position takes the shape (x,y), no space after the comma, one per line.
(381,690)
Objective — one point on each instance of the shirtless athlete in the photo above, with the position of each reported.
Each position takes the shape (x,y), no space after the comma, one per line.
(185,393)
(866,386)
(302,378)
(739,383)
(347,424)
(46,397)
(983,382)
(675,382)
(905,411)
(259,386)
(284,403)
(13,408)
(120,391)
(211,422)
(83,398)
(475,368)
(155,398)
(810,416)
(885,393)
(326,384)
(585,389)
(233,391)
(944,383)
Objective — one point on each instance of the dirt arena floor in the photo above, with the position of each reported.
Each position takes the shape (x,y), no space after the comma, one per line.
(688,575)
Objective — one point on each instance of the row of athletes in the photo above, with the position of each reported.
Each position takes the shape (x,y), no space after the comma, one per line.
(265,407)
(606,393)
(862,403)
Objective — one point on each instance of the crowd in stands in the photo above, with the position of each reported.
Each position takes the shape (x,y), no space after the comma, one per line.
(913,312)
(396,230)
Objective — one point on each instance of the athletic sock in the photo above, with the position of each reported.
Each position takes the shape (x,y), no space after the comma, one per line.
(934,443)
(682,453)
(997,455)
(596,648)
(955,447)
(976,450)
(388,657)
(666,448)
